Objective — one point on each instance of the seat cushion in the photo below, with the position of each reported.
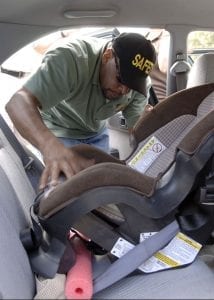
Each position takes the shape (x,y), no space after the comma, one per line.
(192,282)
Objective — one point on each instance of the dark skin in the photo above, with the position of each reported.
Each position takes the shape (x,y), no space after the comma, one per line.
(23,109)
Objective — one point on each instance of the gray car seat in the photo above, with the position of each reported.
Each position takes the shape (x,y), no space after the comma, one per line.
(17,279)
(202,70)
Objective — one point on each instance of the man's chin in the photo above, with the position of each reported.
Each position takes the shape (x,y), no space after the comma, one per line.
(110,95)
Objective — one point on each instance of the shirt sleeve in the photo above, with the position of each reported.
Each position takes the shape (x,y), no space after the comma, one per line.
(54,79)
(136,106)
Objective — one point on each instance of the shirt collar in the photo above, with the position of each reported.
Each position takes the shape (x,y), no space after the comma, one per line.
(96,76)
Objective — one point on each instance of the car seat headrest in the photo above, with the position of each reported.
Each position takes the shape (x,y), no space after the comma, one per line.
(202,71)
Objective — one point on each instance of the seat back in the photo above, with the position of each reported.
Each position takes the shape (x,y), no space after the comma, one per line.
(16,277)
(202,71)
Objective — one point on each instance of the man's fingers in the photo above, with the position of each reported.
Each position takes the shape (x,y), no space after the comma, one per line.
(44,179)
(50,175)
(148,107)
(68,167)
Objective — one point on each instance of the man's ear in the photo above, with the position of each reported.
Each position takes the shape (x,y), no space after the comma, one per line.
(107,54)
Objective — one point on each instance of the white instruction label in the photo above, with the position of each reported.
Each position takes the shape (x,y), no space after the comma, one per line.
(147,155)
(121,247)
(180,251)
(146,235)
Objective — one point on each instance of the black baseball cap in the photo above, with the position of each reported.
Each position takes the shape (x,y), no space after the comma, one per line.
(137,57)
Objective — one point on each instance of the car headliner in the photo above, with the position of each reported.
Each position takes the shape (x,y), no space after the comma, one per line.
(24,21)
(135,12)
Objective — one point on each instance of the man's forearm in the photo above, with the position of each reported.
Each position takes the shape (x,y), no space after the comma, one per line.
(23,110)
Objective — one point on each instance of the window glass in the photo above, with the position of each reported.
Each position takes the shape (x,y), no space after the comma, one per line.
(26,60)
(199,42)
(30,56)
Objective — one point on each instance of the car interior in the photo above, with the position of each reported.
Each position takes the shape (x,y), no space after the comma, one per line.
(144,211)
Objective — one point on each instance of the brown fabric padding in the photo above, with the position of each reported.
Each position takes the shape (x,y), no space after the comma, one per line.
(100,175)
(198,134)
(181,103)
(98,155)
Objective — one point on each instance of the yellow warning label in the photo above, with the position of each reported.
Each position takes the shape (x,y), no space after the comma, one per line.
(142,151)
(167,260)
(188,240)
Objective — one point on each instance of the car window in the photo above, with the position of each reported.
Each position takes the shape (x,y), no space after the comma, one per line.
(24,61)
(199,42)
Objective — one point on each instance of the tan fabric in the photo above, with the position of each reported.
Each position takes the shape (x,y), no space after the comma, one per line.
(51,288)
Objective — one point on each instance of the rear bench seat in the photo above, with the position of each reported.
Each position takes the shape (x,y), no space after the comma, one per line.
(16,278)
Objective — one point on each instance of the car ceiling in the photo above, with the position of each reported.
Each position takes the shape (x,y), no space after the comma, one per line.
(23,21)
(127,12)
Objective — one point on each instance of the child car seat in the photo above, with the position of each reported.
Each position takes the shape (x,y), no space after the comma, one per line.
(17,280)
(157,183)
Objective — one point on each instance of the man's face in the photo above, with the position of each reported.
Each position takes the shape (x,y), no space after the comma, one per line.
(110,77)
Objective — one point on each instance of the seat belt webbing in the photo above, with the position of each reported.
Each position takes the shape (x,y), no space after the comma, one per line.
(180,70)
(135,257)
(32,170)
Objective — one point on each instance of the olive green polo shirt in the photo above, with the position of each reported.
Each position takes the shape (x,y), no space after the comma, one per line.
(68,88)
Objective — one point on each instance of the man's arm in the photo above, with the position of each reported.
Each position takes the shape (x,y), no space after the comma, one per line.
(23,109)
(134,110)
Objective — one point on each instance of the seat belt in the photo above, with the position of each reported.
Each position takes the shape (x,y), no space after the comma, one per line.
(135,257)
(180,70)
(32,167)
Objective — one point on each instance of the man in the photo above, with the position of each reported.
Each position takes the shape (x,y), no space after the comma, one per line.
(77,87)
(160,39)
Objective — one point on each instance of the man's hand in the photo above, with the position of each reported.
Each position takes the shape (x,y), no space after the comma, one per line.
(58,159)
(23,109)
(147,109)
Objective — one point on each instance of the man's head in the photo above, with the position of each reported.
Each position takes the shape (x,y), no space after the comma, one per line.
(134,57)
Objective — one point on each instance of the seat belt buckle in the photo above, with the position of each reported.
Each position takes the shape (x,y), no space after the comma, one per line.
(207,195)
(207,191)
(29,163)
